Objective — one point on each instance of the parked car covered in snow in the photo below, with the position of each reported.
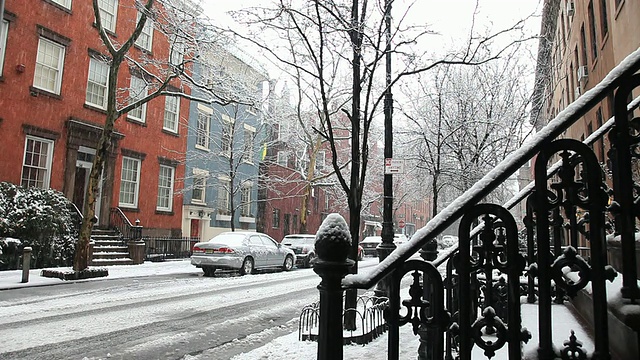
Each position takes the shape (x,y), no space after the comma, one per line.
(303,245)
(370,243)
(245,251)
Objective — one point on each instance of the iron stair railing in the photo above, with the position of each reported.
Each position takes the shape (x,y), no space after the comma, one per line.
(119,221)
(622,207)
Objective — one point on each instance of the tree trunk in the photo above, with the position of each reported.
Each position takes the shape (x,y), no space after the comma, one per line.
(355,193)
(81,258)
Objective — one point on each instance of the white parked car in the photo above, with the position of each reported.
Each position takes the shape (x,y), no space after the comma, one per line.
(370,243)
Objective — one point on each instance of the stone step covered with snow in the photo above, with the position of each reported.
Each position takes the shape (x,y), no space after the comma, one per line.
(109,249)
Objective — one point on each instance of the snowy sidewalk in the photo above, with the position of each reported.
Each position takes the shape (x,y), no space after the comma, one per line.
(288,347)
(11,279)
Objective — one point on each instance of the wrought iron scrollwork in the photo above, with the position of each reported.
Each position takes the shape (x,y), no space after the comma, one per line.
(578,190)
(416,306)
(496,253)
(573,349)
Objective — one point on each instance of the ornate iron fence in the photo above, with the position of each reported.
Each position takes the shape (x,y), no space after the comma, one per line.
(570,208)
(369,314)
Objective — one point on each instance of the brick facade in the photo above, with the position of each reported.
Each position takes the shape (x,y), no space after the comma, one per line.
(73,126)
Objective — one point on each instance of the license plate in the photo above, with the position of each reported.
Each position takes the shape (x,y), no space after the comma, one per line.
(209,251)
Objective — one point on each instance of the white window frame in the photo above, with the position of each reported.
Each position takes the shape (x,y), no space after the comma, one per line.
(248,152)
(138,90)
(145,40)
(245,199)
(135,182)
(199,174)
(171,115)
(110,14)
(97,80)
(284,130)
(283,158)
(55,67)
(203,126)
(226,135)
(4,31)
(64,3)
(176,54)
(224,196)
(46,167)
(165,191)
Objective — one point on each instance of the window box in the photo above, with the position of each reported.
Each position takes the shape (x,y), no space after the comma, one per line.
(221,217)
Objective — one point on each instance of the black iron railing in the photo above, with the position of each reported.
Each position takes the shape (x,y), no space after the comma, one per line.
(119,221)
(572,206)
(369,314)
(163,248)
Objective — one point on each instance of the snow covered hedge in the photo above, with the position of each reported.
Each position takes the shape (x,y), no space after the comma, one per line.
(40,218)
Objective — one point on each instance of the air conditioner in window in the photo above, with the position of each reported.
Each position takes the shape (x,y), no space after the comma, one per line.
(571,8)
(578,91)
(583,73)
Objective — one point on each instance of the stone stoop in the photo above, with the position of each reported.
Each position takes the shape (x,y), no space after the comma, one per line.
(109,249)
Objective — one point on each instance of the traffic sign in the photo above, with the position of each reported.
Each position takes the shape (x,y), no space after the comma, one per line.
(401,224)
(392,166)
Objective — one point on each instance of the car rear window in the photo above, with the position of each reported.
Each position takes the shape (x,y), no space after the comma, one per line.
(229,239)
(299,240)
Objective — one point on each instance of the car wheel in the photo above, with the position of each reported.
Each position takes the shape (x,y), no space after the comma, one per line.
(247,266)
(288,263)
(309,261)
(208,270)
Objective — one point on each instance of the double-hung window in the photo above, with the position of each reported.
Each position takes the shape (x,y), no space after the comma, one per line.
(165,188)
(198,194)
(275,220)
(177,51)
(202,127)
(171,113)
(108,14)
(49,64)
(226,141)
(245,198)
(283,158)
(97,83)
(137,91)
(320,160)
(249,137)
(224,194)
(36,165)
(130,182)
(64,3)
(145,39)
(4,30)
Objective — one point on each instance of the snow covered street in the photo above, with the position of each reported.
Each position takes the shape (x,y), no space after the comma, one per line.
(170,311)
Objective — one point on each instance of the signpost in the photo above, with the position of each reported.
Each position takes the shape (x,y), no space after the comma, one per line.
(392,166)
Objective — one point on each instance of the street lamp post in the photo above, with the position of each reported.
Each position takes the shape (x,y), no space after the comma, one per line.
(387,246)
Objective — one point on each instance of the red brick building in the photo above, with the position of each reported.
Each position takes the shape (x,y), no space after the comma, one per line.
(52,84)
(290,164)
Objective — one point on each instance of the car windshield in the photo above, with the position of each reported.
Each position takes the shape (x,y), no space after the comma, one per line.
(306,240)
(228,239)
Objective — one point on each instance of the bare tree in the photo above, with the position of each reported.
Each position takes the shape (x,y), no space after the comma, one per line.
(179,21)
(340,47)
(465,121)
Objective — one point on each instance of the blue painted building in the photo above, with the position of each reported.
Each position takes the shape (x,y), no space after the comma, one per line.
(224,146)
